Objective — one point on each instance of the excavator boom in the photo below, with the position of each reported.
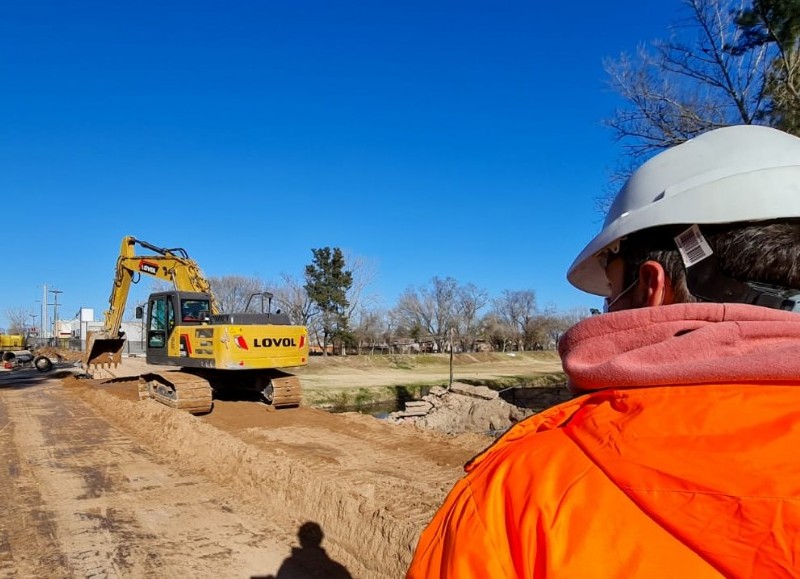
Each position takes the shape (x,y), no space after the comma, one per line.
(104,347)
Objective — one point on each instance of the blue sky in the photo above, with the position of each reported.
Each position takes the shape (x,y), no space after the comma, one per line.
(451,139)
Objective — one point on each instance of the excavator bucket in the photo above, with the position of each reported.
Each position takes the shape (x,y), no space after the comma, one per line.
(103,352)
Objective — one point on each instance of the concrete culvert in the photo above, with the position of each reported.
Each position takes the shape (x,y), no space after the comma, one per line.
(43,363)
(20,356)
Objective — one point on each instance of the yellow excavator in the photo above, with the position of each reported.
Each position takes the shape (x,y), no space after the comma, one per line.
(209,350)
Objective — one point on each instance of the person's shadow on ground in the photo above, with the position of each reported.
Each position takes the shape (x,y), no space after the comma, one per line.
(310,559)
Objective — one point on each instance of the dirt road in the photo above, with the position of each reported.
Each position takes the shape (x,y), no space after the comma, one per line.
(100,484)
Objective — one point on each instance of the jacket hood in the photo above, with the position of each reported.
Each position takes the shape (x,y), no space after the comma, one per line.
(712,457)
(699,343)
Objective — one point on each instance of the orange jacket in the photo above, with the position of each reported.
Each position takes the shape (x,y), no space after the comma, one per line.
(691,481)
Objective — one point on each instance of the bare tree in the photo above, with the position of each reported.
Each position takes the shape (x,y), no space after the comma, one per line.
(233,291)
(18,320)
(368,327)
(293,300)
(516,309)
(500,334)
(363,273)
(431,308)
(470,300)
(360,301)
(691,83)
(545,328)
(230,291)
(572,316)
(776,24)
(541,330)
(393,328)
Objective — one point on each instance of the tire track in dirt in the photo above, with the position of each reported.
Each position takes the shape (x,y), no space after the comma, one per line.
(28,547)
(104,506)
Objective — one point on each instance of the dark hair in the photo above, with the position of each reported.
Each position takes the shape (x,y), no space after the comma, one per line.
(766,252)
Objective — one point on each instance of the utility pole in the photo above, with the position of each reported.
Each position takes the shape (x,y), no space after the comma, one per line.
(55,315)
(40,329)
(450,383)
(44,314)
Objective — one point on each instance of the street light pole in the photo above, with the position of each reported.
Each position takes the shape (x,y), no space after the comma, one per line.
(55,315)
(45,326)
(33,324)
(41,320)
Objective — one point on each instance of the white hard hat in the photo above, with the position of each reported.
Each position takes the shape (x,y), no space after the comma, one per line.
(732,174)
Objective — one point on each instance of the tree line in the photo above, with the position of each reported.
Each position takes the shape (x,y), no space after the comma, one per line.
(331,299)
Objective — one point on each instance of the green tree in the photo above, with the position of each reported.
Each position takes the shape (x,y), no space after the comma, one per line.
(327,283)
(775,24)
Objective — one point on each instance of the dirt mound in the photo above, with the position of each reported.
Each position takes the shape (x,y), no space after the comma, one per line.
(372,486)
(59,354)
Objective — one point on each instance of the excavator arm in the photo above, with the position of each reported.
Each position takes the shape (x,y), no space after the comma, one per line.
(173,265)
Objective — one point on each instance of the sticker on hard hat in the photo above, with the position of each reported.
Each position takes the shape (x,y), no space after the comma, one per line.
(692,246)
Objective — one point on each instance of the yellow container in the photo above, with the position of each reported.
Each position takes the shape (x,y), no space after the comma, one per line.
(11,341)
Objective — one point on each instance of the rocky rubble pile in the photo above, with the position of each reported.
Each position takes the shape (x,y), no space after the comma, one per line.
(464,408)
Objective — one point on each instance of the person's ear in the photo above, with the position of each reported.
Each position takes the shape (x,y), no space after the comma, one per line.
(656,285)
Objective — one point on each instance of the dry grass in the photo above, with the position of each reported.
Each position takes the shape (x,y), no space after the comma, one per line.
(410,361)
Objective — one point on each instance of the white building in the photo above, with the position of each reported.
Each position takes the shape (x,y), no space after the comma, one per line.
(76,330)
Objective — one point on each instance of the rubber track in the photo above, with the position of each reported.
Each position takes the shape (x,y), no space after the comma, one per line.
(178,390)
(286,391)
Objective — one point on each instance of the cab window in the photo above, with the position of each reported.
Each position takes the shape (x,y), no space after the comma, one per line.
(158,314)
(191,310)
(156,332)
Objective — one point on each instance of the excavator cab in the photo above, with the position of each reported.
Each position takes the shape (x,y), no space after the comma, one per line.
(168,310)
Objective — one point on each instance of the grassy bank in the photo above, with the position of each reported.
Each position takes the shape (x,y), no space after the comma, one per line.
(414,361)
(398,378)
